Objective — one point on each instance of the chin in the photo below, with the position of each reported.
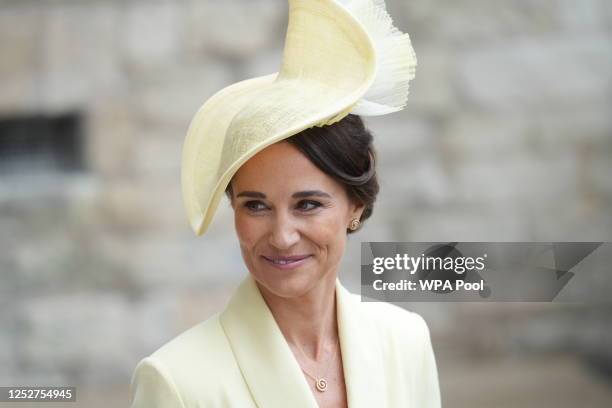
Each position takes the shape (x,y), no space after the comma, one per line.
(287,283)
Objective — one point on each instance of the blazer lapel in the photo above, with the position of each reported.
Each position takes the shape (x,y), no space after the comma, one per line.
(270,369)
(362,355)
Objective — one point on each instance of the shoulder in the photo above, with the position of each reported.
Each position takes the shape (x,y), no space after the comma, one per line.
(396,323)
(195,359)
(196,344)
(405,342)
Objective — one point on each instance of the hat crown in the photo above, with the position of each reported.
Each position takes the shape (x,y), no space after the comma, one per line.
(322,31)
(328,60)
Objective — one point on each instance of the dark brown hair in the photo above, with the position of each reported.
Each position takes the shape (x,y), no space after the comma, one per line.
(343,151)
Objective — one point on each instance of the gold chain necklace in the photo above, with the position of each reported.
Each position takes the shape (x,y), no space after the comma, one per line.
(321,382)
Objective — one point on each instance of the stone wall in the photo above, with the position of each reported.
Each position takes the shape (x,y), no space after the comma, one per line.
(507,137)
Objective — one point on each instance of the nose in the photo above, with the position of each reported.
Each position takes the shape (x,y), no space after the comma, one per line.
(284,233)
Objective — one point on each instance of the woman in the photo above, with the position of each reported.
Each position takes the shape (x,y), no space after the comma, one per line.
(300,174)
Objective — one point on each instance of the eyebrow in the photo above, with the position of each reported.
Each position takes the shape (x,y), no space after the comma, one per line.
(299,194)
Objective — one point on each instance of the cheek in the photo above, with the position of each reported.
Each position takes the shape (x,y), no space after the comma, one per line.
(247,230)
(329,233)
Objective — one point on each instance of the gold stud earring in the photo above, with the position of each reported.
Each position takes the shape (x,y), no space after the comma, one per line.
(354,224)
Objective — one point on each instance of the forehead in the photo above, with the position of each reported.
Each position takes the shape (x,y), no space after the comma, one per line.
(282,166)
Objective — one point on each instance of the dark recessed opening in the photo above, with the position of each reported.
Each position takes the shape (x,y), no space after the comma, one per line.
(41,143)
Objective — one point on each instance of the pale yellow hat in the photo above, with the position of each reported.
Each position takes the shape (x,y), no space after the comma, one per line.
(340,57)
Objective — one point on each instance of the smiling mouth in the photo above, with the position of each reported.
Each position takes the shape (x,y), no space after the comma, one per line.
(285,260)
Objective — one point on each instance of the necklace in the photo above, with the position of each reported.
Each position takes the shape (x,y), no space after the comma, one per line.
(321,382)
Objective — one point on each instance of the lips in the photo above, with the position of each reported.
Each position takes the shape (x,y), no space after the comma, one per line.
(284,260)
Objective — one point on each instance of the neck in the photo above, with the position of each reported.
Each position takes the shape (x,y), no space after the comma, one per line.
(308,322)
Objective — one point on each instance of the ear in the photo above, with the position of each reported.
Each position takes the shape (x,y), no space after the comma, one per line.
(355,211)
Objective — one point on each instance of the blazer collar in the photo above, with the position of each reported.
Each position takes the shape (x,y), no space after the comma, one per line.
(270,369)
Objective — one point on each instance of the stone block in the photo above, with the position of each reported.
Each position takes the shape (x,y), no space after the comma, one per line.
(21,36)
(582,16)
(600,169)
(79,57)
(470,23)
(235,29)
(80,336)
(401,138)
(483,137)
(156,156)
(557,130)
(112,332)
(172,97)
(530,75)
(420,184)
(151,33)
(516,181)
(178,261)
(7,339)
(485,223)
(111,129)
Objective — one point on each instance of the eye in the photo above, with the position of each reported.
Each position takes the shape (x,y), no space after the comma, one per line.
(254,206)
(308,205)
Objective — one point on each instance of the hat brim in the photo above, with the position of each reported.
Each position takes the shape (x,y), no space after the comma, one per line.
(202,155)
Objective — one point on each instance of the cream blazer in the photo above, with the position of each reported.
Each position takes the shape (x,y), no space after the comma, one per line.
(240,358)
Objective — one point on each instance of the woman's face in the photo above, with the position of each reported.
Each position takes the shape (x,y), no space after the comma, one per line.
(291,220)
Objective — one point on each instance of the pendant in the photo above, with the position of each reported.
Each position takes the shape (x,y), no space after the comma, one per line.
(321,384)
